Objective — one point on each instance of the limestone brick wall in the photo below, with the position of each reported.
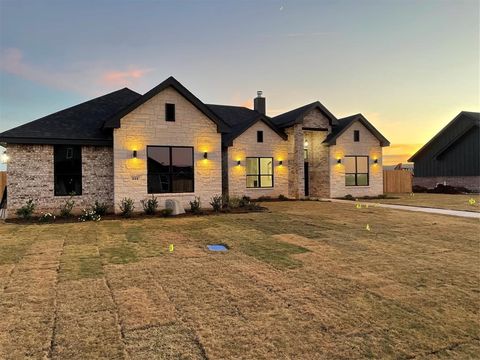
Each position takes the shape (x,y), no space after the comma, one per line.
(31,176)
(296,182)
(146,125)
(369,146)
(246,145)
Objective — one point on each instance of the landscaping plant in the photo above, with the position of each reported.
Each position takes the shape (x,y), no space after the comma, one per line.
(26,211)
(216,203)
(195,205)
(100,208)
(46,217)
(89,215)
(126,207)
(67,207)
(150,205)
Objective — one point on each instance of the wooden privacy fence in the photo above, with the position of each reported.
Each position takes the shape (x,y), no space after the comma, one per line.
(397,181)
(3,182)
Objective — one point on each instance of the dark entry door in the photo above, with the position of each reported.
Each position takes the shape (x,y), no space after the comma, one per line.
(305,172)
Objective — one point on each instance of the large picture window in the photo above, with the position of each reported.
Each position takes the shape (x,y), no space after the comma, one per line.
(67,170)
(356,170)
(170,169)
(259,172)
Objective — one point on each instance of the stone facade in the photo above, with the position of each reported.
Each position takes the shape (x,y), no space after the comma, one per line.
(368,145)
(470,182)
(246,145)
(31,176)
(296,179)
(145,126)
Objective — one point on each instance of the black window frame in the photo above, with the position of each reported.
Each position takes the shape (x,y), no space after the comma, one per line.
(356,173)
(57,172)
(170,112)
(356,135)
(260,136)
(259,175)
(171,172)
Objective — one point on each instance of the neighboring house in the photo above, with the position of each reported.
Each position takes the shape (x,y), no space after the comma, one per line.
(452,157)
(169,144)
(400,166)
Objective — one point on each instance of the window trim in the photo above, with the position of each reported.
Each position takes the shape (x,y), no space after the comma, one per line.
(259,136)
(259,175)
(55,173)
(357,173)
(356,135)
(166,112)
(170,173)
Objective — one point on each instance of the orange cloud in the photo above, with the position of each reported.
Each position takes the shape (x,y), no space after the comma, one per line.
(123,77)
(399,153)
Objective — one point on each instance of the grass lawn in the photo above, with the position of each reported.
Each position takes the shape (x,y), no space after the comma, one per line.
(304,281)
(441,201)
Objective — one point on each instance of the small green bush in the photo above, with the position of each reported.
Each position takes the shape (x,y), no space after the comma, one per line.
(46,218)
(100,208)
(166,212)
(67,207)
(89,215)
(245,200)
(126,207)
(216,203)
(150,205)
(195,205)
(349,197)
(282,197)
(26,211)
(234,202)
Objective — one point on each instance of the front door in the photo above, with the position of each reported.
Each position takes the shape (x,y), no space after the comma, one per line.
(305,173)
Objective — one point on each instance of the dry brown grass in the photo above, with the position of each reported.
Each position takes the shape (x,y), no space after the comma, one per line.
(304,281)
(441,201)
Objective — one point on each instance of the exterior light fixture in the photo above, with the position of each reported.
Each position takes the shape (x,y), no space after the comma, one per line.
(375,161)
(280,162)
(305,144)
(5,157)
(205,155)
(238,162)
(134,154)
(339,161)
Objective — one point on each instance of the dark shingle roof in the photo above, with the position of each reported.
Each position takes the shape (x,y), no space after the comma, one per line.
(471,119)
(295,116)
(239,119)
(344,124)
(114,121)
(79,124)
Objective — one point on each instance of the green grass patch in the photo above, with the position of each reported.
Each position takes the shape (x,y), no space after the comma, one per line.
(119,254)
(134,234)
(11,254)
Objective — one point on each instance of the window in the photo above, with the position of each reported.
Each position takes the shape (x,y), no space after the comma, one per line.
(356,135)
(67,170)
(169,112)
(260,136)
(169,169)
(356,170)
(259,172)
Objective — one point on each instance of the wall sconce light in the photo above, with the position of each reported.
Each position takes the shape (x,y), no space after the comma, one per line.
(339,161)
(134,154)
(280,162)
(238,162)
(305,144)
(375,161)
(5,157)
(205,155)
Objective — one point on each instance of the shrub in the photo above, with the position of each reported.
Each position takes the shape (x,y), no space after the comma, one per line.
(244,201)
(89,215)
(282,197)
(126,207)
(166,212)
(349,197)
(150,205)
(234,202)
(26,211)
(448,189)
(67,207)
(46,217)
(195,205)
(100,208)
(253,206)
(216,202)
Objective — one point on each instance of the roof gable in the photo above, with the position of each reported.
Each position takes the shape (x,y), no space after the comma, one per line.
(296,116)
(114,121)
(80,124)
(345,123)
(470,119)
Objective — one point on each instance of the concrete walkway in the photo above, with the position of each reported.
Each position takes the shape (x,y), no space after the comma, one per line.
(466,214)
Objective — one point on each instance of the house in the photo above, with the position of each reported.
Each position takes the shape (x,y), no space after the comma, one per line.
(170,144)
(452,157)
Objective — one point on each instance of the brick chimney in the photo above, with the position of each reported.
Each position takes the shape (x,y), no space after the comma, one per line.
(259,103)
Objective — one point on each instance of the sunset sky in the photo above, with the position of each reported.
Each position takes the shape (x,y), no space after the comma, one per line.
(408,66)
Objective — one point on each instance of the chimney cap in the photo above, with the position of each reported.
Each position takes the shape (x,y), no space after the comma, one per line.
(259,93)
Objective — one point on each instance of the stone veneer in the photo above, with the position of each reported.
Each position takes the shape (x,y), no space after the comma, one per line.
(470,182)
(146,125)
(30,176)
(368,145)
(246,145)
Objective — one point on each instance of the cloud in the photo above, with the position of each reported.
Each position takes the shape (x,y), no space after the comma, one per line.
(84,78)
(398,153)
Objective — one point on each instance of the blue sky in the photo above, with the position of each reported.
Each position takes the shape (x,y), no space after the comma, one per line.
(408,66)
